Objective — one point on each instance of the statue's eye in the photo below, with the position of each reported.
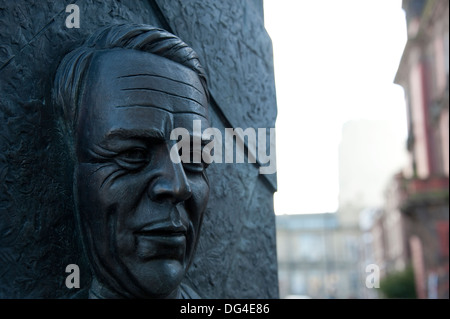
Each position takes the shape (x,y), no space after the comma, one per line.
(133,159)
(136,154)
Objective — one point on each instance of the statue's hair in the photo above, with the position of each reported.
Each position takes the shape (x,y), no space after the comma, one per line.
(69,80)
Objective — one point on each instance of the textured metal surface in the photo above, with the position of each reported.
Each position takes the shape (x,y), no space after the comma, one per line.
(236,257)
(236,51)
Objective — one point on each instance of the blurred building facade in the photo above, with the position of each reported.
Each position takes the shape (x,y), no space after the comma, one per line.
(317,258)
(385,234)
(413,227)
(402,218)
(370,152)
(324,255)
(424,73)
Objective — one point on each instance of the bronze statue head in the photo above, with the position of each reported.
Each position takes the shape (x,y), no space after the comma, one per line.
(118,97)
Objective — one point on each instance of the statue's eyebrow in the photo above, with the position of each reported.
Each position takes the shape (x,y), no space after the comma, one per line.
(150,133)
(153,134)
(147,104)
(160,76)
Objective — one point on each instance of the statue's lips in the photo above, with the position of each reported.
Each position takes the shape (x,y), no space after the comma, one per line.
(162,229)
(161,241)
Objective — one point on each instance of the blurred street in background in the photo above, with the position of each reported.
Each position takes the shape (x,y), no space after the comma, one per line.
(393,202)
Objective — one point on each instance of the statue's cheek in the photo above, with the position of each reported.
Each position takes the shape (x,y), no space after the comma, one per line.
(200,195)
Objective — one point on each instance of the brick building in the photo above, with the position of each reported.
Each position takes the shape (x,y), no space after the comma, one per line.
(422,189)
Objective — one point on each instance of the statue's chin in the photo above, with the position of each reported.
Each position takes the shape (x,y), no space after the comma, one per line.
(159,278)
(154,279)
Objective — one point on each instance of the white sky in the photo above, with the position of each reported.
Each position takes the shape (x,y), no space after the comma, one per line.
(335,61)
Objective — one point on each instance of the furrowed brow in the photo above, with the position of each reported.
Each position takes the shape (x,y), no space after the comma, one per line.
(145,105)
(135,134)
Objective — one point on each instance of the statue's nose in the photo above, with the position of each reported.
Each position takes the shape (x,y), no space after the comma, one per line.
(171,183)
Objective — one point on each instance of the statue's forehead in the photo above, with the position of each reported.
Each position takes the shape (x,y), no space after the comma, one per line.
(123,63)
(127,78)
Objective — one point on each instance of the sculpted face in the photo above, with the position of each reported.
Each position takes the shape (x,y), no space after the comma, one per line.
(139,212)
